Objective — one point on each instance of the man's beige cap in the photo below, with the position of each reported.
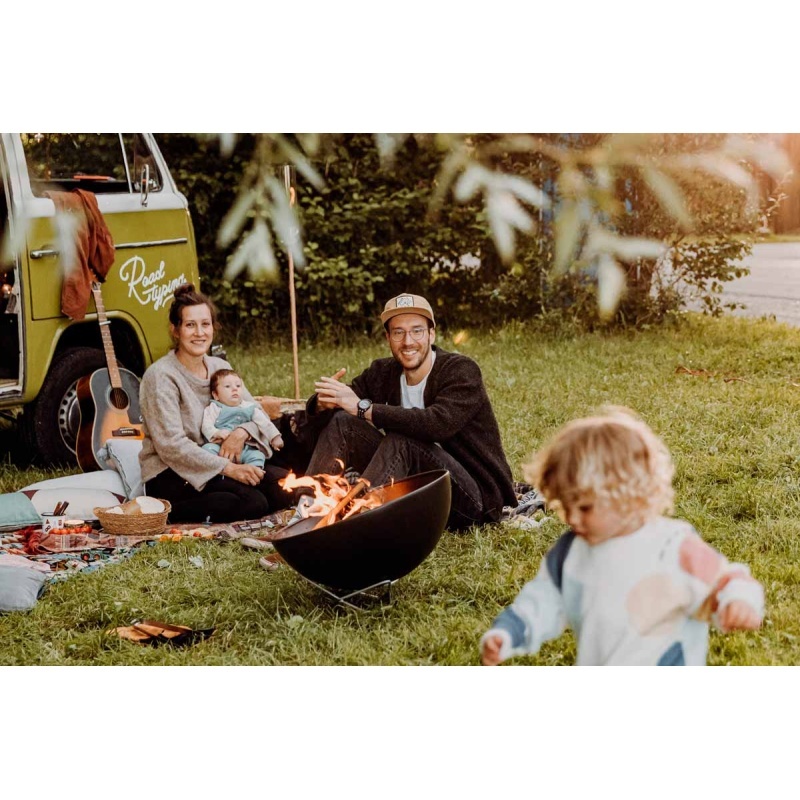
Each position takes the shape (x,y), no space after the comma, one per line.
(407,304)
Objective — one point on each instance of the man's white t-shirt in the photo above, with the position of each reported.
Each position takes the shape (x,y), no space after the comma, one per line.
(412,396)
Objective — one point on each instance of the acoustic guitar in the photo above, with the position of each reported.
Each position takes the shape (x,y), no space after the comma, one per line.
(108,401)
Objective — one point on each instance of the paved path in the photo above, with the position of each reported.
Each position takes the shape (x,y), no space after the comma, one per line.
(773,285)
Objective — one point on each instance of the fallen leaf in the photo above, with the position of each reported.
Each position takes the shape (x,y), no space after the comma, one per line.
(704,373)
(197,561)
(164,564)
(696,373)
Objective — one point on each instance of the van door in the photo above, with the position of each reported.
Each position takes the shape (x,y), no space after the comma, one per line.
(10,354)
(146,215)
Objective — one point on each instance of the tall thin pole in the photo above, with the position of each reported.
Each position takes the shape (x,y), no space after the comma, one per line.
(287,180)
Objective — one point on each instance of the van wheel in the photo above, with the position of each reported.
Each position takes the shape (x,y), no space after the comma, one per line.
(49,426)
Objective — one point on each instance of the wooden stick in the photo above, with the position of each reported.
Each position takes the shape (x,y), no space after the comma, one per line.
(287,180)
(357,488)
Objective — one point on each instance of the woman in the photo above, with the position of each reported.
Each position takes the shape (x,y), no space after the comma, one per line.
(200,485)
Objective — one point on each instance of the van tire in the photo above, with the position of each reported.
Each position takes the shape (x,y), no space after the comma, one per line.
(49,425)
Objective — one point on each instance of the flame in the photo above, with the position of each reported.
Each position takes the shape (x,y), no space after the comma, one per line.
(329,491)
(361,504)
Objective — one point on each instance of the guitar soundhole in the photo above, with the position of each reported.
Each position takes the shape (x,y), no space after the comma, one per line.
(119,398)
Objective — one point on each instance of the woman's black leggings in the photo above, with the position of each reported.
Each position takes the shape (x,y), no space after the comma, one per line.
(222,499)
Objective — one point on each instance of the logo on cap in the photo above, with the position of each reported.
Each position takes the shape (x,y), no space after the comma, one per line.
(405,301)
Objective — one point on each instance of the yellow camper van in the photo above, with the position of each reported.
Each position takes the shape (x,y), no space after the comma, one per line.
(43,353)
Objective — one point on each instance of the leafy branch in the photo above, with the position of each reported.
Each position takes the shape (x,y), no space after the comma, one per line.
(583,201)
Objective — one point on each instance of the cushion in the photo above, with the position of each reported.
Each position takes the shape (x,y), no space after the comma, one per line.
(17,511)
(82,502)
(20,588)
(107,479)
(123,455)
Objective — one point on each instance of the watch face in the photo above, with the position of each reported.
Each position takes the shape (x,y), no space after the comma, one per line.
(364,404)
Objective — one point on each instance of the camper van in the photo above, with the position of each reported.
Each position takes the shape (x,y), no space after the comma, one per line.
(44,353)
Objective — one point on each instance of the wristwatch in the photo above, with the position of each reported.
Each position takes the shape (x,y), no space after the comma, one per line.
(363,406)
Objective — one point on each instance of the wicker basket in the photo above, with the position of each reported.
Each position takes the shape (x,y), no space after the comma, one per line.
(134,524)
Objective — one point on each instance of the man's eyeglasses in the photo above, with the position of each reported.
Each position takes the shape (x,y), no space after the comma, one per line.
(398,334)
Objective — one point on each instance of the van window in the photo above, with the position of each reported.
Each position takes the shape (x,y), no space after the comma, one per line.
(139,158)
(98,162)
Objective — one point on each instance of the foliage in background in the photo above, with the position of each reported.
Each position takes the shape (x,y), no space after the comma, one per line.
(643,225)
(725,213)
(209,177)
(586,227)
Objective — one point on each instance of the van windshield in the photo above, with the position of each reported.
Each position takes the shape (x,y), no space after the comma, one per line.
(98,162)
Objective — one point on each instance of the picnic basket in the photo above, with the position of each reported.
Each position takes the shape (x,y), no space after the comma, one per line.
(134,524)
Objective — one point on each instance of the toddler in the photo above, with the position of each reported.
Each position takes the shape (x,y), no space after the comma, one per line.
(635,586)
(228,410)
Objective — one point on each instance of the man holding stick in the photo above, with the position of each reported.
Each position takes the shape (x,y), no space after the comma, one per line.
(422,409)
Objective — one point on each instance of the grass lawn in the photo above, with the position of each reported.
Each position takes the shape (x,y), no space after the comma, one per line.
(732,431)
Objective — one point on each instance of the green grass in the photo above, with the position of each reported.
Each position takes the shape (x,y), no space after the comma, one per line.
(736,444)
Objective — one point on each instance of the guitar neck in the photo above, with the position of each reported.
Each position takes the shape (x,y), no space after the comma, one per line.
(105,333)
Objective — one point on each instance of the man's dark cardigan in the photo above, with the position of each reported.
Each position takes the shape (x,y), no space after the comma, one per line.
(457,415)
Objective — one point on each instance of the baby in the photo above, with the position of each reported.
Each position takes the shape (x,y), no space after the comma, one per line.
(635,586)
(228,410)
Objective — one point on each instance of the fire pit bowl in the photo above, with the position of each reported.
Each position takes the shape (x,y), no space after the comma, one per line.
(381,544)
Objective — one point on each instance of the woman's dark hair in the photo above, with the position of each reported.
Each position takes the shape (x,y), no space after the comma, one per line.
(186,295)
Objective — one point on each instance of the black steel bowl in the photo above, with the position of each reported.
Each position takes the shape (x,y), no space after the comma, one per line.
(381,544)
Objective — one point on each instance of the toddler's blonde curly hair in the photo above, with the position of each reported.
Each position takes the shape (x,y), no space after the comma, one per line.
(612,456)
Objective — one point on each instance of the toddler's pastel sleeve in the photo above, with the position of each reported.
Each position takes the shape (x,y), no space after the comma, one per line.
(715,582)
(536,616)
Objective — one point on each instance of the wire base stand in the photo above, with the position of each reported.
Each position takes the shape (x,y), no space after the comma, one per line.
(380,592)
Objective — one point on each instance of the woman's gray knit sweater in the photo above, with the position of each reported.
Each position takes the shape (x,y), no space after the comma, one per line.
(172,402)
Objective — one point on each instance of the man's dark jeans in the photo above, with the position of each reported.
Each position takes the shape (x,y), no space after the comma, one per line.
(379,458)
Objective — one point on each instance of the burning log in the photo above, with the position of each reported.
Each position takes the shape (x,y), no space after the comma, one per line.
(358,488)
(333,498)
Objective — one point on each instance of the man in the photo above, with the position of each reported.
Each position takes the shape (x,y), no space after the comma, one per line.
(422,409)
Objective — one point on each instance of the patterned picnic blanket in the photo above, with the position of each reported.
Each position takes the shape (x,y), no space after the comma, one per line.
(62,557)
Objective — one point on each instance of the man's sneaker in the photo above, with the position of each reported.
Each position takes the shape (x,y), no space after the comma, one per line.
(351,475)
(529,501)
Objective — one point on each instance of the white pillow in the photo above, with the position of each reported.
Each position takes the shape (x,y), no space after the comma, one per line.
(107,479)
(82,502)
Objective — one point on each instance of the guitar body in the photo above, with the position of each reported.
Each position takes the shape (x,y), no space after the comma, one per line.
(106,413)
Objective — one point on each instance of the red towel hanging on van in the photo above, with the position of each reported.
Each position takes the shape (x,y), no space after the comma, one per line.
(94,249)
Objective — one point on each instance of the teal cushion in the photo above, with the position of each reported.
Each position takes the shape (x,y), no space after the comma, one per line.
(17,511)
(20,588)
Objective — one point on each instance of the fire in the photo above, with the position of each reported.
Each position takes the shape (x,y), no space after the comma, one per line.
(334,499)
